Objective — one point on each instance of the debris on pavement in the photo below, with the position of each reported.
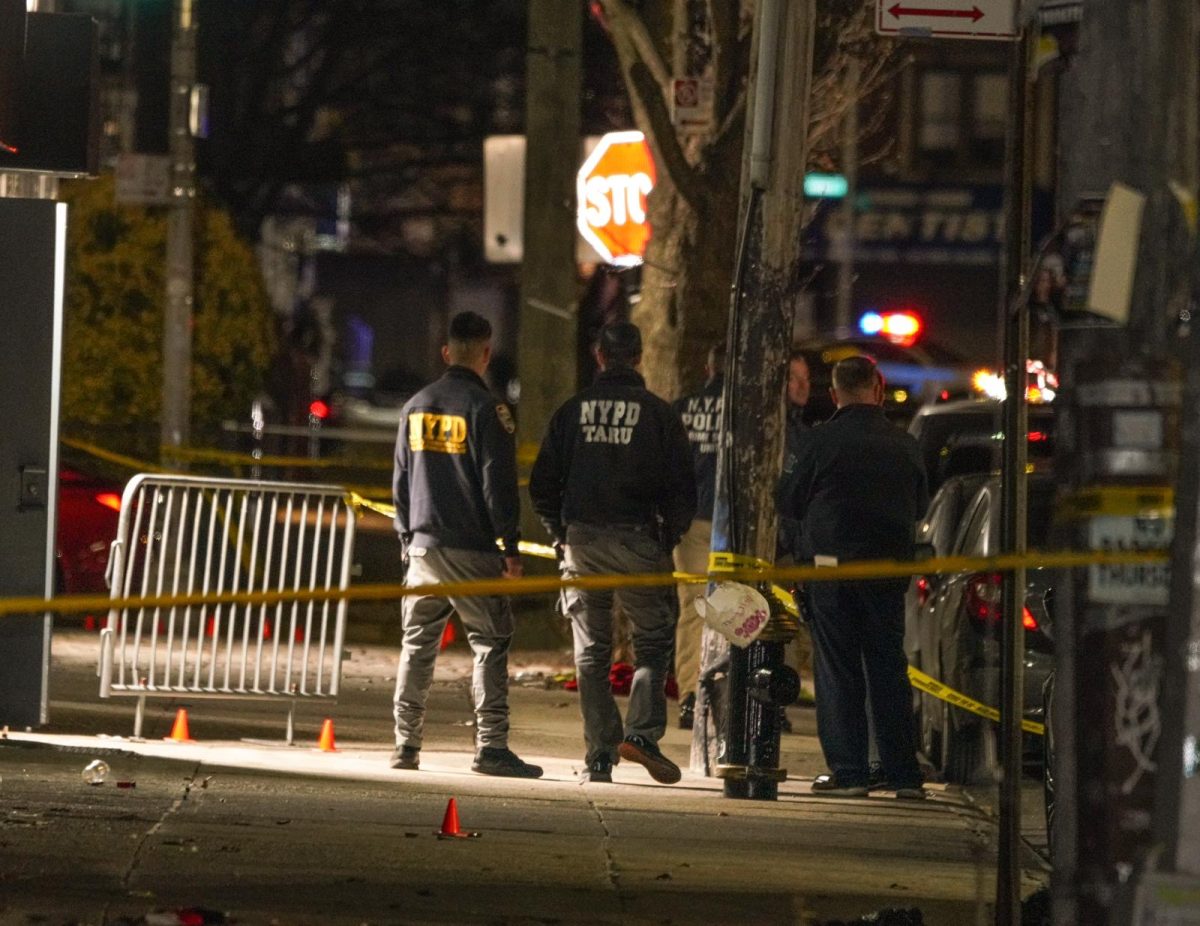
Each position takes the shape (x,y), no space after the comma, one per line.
(95,772)
(188,916)
(892,916)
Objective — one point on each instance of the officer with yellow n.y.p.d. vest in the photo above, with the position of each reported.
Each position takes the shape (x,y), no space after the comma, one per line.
(455,489)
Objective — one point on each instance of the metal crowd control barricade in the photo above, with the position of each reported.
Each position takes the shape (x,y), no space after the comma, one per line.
(185,535)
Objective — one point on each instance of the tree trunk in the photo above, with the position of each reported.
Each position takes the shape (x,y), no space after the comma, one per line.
(685,284)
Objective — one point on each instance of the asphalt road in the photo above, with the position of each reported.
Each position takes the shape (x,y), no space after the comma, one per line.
(257,833)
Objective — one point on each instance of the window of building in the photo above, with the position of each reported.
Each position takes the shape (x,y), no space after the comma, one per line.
(941,107)
(962,117)
(989,117)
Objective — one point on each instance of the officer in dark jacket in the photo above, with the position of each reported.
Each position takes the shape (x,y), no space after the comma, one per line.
(701,414)
(455,489)
(799,385)
(613,484)
(859,488)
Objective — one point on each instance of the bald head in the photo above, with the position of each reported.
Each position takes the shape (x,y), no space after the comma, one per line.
(857,381)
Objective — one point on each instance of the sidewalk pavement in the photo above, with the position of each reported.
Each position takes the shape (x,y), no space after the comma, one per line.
(246,829)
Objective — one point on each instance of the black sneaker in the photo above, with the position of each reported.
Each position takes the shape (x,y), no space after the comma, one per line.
(640,750)
(687,712)
(408,757)
(829,786)
(598,771)
(914,792)
(875,778)
(490,760)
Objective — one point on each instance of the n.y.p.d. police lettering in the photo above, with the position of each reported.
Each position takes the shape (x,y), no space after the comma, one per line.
(430,431)
(702,418)
(608,421)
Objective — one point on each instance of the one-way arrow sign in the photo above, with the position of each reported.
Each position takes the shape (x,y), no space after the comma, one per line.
(959,19)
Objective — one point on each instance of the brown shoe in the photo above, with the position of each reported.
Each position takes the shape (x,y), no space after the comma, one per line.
(640,750)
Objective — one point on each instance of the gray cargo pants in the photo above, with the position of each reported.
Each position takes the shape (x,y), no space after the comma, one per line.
(652,614)
(488,621)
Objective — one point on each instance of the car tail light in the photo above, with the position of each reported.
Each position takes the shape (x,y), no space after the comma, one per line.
(983,601)
(983,597)
(923,590)
(109,500)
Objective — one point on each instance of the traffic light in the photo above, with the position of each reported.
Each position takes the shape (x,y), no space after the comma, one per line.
(50,119)
(12,56)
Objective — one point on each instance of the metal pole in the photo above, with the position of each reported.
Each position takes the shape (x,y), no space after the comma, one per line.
(845,291)
(758,684)
(1014,494)
(177,320)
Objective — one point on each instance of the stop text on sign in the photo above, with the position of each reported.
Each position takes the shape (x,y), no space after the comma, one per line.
(612,186)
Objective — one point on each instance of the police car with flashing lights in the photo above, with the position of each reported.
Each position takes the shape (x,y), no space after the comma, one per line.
(916,370)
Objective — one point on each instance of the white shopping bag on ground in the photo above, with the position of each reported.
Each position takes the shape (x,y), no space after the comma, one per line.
(737,612)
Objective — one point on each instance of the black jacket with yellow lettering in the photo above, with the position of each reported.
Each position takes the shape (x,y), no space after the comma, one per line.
(455,481)
(615,455)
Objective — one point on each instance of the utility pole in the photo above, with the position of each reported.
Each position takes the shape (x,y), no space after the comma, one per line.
(758,684)
(546,361)
(1127,115)
(845,290)
(1013,535)
(177,320)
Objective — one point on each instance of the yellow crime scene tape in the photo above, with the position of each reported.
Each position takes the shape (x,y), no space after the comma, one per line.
(722,565)
(233,458)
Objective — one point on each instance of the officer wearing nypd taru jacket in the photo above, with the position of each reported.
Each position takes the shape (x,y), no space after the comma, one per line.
(613,483)
(455,489)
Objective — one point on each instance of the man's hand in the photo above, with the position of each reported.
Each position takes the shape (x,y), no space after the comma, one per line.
(513,568)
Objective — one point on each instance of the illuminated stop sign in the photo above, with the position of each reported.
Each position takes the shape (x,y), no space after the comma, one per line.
(612,186)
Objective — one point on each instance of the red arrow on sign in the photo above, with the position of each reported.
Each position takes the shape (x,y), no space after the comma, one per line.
(974,13)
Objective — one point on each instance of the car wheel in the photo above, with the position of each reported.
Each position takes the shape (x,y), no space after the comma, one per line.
(929,731)
(962,749)
(1048,761)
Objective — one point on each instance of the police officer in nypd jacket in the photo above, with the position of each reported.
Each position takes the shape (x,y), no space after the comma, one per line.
(455,490)
(613,483)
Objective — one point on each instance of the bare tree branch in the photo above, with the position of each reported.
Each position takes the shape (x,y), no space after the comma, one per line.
(723,21)
(646,81)
(664,143)
(621,18)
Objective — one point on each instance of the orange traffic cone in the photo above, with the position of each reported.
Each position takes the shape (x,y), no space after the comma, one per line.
(325,741)
(179,732)
(450,828)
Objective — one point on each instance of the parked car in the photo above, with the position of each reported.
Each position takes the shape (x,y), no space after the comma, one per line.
(88,510)
(953,622)
(967,436)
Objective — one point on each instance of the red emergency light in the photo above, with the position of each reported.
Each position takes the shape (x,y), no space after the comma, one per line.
(902,328)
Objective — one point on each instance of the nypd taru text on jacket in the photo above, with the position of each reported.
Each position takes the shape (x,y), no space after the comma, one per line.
(615,455)
(455,481)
